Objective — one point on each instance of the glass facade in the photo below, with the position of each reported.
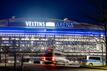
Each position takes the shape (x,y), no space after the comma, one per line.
(71,44)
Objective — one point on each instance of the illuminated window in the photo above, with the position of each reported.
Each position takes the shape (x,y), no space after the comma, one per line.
(5,38)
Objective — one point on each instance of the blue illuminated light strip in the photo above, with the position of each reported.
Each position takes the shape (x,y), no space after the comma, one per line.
(24,31)
(55,32)
(43,34)
(51,31)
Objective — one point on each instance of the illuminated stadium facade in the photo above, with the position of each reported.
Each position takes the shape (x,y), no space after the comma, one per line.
(36,35)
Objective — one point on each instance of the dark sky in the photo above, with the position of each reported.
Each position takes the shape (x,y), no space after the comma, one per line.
(79,10)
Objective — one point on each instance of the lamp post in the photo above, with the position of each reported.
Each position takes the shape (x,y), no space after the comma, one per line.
(106,40)
(104,22)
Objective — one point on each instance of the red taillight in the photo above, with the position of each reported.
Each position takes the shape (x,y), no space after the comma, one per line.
(53,58)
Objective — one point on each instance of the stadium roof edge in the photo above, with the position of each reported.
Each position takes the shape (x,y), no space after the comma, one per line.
(78,24)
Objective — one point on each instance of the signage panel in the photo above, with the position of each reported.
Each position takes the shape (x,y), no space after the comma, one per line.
(49,24)
(38,24)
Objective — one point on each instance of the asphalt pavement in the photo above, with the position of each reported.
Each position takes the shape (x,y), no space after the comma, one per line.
(38,67)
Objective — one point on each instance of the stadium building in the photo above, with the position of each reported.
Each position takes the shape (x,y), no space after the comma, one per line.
(29,35)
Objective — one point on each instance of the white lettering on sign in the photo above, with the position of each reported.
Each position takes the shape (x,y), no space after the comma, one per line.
(35,24)
(39,24)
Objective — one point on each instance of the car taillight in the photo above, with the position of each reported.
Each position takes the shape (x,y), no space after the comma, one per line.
(53,58)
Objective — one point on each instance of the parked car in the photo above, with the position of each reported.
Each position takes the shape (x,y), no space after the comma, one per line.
(93,61)
(61,59)
(54,57)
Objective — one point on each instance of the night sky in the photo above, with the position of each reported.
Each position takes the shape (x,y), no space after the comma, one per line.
(78,10)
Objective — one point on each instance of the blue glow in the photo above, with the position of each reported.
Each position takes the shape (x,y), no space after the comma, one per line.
(30,31)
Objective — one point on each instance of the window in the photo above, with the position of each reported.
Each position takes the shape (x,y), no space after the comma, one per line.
(94,58)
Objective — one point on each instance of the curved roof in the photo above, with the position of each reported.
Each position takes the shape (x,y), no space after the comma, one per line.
(20,22)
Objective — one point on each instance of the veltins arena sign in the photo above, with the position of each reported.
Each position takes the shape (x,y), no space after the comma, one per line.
(40,24)
(36,24)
